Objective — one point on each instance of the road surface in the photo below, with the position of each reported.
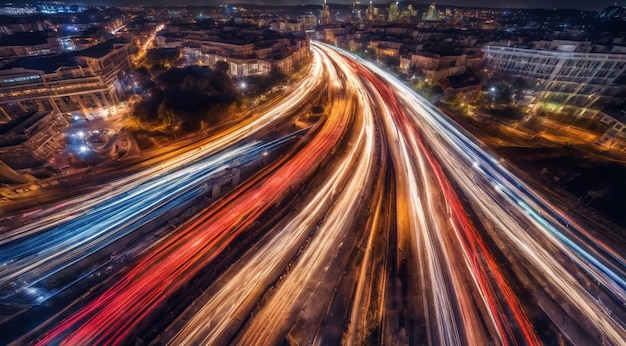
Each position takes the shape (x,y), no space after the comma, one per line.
(385,224)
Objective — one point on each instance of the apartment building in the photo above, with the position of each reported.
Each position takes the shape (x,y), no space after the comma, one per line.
(29,44)
(245,57)
(436,67)
(83,81)
(565,72)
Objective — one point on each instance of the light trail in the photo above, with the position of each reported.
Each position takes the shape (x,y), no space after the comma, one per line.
(258,122)
(437,266)
(477,241)
(235,297)
(545,222)
(48,244)
(28,261)
(274,319)
(113,316)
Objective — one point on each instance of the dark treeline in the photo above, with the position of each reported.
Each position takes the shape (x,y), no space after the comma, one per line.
(188,98)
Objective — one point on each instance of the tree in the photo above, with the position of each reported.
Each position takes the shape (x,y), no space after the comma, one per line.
(504,95)
(167,117)
(186,99)
(222,66)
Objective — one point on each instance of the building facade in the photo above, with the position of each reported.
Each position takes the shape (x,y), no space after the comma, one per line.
(432,14)
(46,135)
(84,81)
(565,76)
(33,141)
(436,68)
(394,13)
(615,137)
(247,59)
(51,46)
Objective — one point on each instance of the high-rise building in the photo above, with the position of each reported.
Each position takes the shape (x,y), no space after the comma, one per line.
(325,15)
(394,14)
(356,10)
(408,13)
(370,11)
(432,13)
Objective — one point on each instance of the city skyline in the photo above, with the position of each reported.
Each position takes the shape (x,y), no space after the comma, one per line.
(513,4)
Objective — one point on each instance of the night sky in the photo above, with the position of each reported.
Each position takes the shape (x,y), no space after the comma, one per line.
(597,5)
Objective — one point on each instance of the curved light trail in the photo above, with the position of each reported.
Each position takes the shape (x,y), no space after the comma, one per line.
(396,227)
(536,220)
(113,316)
(28,260)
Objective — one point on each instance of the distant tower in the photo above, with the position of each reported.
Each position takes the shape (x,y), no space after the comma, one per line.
(393,12)
(432,13)
(370,11)
(325,15)
(356,10)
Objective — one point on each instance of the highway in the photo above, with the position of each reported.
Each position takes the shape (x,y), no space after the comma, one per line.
(30,255)
(60,235)
(158,276)
(575,269)
(384,223)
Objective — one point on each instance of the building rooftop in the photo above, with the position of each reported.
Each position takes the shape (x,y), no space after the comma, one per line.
(4,19)
(48,64)
(24,39)
(99,50)
(51,63)
(13,126)
(28,122)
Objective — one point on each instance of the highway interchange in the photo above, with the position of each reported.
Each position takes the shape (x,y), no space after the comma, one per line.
(383,223)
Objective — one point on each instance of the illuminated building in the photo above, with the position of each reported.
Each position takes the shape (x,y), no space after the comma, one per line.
(394,14)
(562,72)
(24,44)
(43,133)
(356,10)
(32,140)
(436,68)
(408,13)
(432,13)
(244,57)
(83,81)
(385,50)
(308,21)
(613,13)
(325,15)
(615,137)
(370,11)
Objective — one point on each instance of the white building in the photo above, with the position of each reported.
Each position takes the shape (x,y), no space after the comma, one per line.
(563,74)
